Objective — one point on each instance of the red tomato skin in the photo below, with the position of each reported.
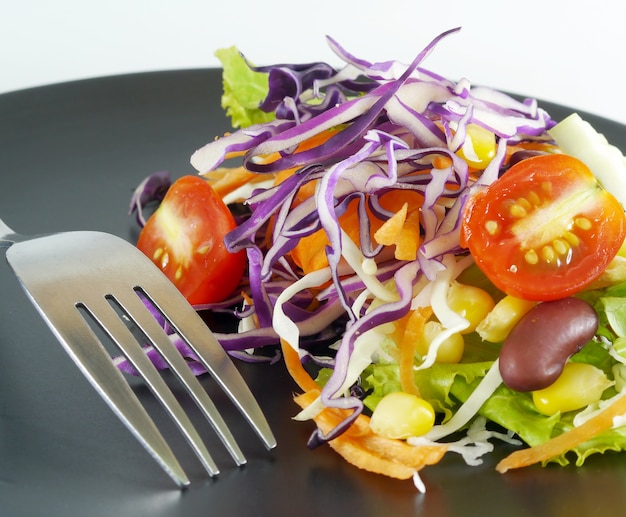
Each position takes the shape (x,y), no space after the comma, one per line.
(185,239)
(501,257)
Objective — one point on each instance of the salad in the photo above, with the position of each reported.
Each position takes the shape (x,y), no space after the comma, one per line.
(439,265)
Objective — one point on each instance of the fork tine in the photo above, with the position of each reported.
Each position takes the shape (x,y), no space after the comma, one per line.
(201,340)
(111,323)
(92,359)
(136,310)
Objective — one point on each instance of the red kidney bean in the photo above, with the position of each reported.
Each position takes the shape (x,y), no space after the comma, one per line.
(537,348)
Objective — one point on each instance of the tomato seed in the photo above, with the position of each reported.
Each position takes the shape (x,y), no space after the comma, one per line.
(561,247)
(583,223)
(534,198)
(547,254)
(531,257)
(492,227)
(518,211)
(572,238)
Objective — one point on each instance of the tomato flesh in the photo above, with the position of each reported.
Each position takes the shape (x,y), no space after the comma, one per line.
(185,239)
(545,229)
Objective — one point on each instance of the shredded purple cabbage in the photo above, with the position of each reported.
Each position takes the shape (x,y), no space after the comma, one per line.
(389,121)
(150,190)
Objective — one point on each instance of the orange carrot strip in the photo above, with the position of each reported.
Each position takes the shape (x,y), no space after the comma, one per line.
(311,388)
(304,192)
(389,232)
(566,441)
(354,453)
(314,141)
(415,457)
(393,458)
(310,252)
(359,445)
(441,162)
(407,354)
(226,180)
(307,190)
(409,239)
(249,301)
(413,332)
(295,368)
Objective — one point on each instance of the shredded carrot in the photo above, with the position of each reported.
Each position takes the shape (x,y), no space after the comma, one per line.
(250,302)
(394,199)
(441,162)
(409,239)
(359,445)
(295,368)
(390,230)
(566,441)
(312,142)
(317,139)
(406,237)
(310,252)
(303,193)
(226,180)
(368,451)
(413,330)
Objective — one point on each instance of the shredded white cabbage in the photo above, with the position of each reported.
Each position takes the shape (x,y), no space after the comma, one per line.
(474,445)
(311,411)
(284,326)
(593,409)
(419,484)
(365,346)
(470,408)
(351,252)
(451,321)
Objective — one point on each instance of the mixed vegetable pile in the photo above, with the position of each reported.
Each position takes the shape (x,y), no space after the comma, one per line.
(441,265)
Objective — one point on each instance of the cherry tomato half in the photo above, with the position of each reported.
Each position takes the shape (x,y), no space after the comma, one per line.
(545,229)
(185,239)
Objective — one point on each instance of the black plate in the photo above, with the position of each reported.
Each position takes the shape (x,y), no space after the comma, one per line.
(70,156)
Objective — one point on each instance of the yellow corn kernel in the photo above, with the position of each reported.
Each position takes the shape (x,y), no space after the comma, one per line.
(470,302)
(449,351)
(479,147)
(502,318)
(579,385)
(400,415)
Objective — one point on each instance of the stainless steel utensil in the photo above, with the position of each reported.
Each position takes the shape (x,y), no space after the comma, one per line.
(75,278)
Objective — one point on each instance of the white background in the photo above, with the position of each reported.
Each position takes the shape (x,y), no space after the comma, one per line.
(565,51)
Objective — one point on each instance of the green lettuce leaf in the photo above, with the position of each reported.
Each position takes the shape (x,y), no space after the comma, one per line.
(244,89)
(512,410)
(615,310)
(434,384)
(447,386)
(609,440)
(515,411)
(610,305)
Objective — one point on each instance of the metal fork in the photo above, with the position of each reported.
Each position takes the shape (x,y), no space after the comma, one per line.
(74,277)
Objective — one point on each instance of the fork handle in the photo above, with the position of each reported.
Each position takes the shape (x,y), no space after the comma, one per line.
(8,236)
